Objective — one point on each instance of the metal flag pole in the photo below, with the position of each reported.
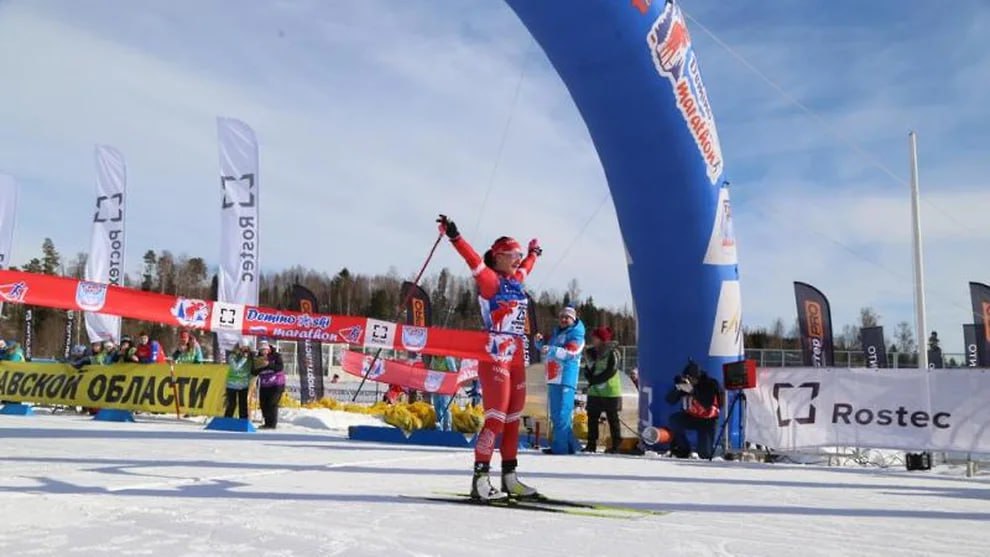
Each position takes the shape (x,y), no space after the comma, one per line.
(919,271)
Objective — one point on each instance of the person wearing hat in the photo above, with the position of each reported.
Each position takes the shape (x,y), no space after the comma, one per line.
(562,353)
(239,364)
(109,352)
(604,388)
(268,367)
(188,351)
(97,357)
(499,276)
(698,395)
(12,351)
(127,352)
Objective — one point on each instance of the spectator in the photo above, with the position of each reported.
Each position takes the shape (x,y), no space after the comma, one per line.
(441,403)
(127,352)
(239,365)
(698,395)
(97,356)
(109,352)
(11,351)
(474,393)
(335,378)
(79,357)
(394,394)
(188,351)
(268,367)
(604,389)
(563,359)
(149,351)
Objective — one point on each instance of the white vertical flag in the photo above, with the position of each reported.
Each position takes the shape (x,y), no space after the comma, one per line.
(105,264)
(239,269)
(8,216)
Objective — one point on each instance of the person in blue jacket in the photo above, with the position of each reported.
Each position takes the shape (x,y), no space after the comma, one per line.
(562,354)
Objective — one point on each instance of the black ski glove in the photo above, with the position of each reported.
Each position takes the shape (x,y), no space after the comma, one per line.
(448,227)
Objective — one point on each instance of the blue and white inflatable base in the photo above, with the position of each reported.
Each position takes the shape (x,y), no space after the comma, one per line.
(114,415)
(427,437)
(231,424)
(16,409)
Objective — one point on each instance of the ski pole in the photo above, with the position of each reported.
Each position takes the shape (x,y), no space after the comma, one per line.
(401,307)
(175,388)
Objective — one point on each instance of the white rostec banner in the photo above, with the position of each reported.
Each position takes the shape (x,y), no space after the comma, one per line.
(238,276)
(8,216)
(105,264)
(910,409)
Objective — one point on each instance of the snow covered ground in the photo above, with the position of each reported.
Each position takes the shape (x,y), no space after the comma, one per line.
(70,485)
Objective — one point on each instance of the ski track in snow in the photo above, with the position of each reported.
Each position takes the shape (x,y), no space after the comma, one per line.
(71,485)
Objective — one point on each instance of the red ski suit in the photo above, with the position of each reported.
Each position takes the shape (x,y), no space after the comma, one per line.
(503,386)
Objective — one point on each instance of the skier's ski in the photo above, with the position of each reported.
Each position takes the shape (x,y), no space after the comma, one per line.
(525,506)
(554,502)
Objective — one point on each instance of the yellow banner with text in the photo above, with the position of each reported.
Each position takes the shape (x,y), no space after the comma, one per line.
(199,388)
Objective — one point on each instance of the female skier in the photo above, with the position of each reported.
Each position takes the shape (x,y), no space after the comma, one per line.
(499,276)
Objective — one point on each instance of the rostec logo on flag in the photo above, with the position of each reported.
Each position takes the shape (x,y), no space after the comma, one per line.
(242,193)
(796,403)
(228,317)
(380,333)
(109,208)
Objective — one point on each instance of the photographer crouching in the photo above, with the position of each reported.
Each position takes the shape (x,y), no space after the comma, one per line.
(698,395)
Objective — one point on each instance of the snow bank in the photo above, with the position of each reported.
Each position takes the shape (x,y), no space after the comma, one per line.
(321,418)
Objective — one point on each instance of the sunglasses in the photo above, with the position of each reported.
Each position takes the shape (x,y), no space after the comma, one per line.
(510,254)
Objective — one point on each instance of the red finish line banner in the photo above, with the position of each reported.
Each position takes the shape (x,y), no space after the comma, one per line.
(404,374)
(78,295)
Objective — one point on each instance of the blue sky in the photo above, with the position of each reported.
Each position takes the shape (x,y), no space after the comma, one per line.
(376,115)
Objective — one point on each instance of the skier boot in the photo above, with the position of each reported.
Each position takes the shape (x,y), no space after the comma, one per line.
(482,489)
(511,484)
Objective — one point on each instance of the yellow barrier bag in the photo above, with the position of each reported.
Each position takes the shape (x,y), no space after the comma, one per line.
(142,387)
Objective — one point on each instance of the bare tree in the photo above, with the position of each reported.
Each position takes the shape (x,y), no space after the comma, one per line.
(904,337)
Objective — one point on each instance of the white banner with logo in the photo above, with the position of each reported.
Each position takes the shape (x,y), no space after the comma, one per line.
(908,409)
(105,264)
(8,216)
(239,268)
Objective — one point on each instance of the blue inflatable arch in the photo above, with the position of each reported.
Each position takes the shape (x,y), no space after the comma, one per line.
(630,68)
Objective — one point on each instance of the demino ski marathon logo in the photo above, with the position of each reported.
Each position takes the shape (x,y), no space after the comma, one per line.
(796,405)
(670,45)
